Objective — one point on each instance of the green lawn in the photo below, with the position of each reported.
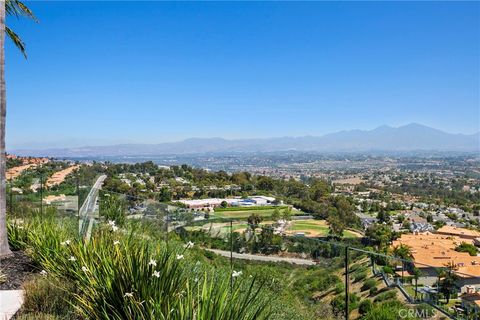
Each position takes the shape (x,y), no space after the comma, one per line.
(303,225)
(248,211)
(316,228)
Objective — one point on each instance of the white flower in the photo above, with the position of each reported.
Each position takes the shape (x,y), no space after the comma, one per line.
(156,274)
(179,256)
(65,243)
(84,269)
(116,243)
(111,222)
(189,244)
(114,228)
(152,263)
(236,273)
(128,294)
(43,273)
(72,258)
(196,279)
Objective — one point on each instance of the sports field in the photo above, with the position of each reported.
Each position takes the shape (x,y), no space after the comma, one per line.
(314,228)
(246,212)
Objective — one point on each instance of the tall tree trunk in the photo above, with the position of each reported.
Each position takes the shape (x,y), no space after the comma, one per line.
(4,248)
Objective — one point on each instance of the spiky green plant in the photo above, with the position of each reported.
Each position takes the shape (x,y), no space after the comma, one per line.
(124,275)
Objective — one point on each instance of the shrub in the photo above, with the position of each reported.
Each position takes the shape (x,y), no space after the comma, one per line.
(338,304)
(365,306)
(388,270)
(373,291)
(467,247)
(339,288)
(38,316)
(114,278)
(388,295)
(359,276)
(368,284)
(48,296)
(387,311)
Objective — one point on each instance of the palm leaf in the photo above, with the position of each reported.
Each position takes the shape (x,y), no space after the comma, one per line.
(18,9)
(16,40)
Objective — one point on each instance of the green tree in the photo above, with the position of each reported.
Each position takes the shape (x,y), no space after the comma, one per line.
(383,216)
(467,247)
(416,274)
(165,195)
(336,225)
(287,214)
(403,252)
(253,221)
(276,214)
(447,284)
(380,235)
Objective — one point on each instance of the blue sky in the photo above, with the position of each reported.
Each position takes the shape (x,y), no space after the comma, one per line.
(110,72)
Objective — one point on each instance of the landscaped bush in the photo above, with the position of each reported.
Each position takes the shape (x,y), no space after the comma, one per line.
(48,296)
(388,295)
(388,270)
(338,303)
(38,316)
(121,275)
(339,288)
(365,306)
(359,276)
(316,281)
(368,284)
(389,310)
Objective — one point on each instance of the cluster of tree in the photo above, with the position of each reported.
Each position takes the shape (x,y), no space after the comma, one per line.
(313,196)
(467,247)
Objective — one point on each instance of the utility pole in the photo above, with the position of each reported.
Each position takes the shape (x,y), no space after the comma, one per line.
(346,283)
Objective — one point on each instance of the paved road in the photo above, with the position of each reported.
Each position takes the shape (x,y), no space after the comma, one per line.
(247,256)
(87,210)
(88,206)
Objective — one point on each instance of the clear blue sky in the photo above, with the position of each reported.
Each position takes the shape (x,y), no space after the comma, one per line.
(108,72)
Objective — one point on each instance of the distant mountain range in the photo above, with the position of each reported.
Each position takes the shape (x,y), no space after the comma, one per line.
(411,137)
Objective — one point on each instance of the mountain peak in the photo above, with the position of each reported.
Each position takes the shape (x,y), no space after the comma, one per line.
(410,137)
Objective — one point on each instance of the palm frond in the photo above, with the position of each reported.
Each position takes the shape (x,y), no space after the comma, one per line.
(18,9)
(16,40)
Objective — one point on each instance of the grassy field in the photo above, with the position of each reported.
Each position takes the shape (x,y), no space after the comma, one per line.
(315,228)
(311,228)
(237,213)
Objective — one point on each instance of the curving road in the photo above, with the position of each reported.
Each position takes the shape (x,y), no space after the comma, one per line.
(247,256)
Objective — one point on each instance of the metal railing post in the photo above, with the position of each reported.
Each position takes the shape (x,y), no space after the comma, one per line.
(231,255)
(346,283)
(11,197)
(41,193)
(78,195)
